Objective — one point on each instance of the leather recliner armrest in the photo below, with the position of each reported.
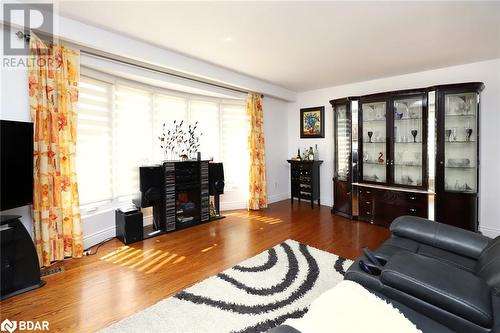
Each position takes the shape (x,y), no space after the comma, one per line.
(442,285)
(443,236)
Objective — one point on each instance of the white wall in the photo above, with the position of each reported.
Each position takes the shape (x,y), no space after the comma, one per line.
(486,71)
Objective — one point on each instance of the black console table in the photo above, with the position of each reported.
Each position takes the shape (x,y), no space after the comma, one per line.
(304,180)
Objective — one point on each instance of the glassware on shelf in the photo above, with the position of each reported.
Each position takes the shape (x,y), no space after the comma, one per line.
(454,133)
(370,133)
(414,134)
(468,133)
(448,134)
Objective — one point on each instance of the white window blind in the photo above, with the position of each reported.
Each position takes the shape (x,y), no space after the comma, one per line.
(94,141)
(118,129)
(133,138)
(207,115)
(166,110)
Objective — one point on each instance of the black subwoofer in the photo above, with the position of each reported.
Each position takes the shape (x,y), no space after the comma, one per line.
(216,178)
(129,226)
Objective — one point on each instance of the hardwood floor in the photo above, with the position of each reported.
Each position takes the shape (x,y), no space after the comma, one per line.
(119,280)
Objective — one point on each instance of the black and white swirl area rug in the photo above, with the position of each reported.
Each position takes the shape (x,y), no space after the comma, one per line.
(254,296)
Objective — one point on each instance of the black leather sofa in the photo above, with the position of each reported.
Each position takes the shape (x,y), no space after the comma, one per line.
(443,279)
(446,274)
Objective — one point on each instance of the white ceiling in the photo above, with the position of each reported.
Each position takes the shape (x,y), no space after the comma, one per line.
(308,45)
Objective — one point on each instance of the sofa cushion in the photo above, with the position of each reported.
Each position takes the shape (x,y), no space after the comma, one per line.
(448,257)
(394,245)
(440,284)
(443,236)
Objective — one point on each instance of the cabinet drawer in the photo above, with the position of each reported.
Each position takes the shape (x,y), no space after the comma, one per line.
(366,213)
(417,199)
(420,211)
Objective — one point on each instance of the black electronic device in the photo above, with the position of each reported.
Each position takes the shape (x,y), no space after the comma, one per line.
(129,225)
(369,254)
(16,167)
(20,269)
(216,186)
(216,178)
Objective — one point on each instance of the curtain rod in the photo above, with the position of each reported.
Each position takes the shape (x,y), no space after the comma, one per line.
(110,56)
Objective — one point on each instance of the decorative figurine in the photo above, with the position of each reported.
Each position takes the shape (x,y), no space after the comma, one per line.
(381,158)
(298,154)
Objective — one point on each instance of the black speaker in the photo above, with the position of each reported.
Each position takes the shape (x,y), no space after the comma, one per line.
(129,226)
(150,177)
(19,269)
(215,178)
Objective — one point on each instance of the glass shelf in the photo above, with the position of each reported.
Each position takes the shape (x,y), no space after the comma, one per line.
(460,115)
(402,119)
(368,142)
(460,167)
(408,165)
(460,122)
(417,142)
(374,163)
(408,140)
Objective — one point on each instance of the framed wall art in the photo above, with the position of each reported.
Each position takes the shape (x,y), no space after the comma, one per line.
(312,122)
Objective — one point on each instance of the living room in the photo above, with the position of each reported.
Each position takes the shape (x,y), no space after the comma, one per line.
(244,166)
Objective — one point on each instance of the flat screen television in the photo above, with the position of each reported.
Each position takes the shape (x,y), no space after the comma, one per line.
(16,168)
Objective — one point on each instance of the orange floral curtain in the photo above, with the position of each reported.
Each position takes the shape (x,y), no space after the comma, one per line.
(258,191)
(54,72)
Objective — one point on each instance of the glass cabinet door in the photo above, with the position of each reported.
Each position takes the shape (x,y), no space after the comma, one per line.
(343,133)
(408,134)
(373,117)
(460,147)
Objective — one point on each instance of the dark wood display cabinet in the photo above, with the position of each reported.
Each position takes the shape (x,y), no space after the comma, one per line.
(457,162)
(384,143)
(345,142)
(305,180)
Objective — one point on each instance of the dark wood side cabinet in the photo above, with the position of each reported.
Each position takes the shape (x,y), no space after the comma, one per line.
(304,180)
(345,144)
(457,159)
(381,206)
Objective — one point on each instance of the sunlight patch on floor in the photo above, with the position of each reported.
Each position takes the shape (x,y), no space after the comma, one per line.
(263,219)
(148,261)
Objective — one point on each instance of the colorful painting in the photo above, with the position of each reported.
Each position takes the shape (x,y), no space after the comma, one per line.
(312,123)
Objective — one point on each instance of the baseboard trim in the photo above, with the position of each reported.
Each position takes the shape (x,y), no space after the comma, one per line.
(97,237)
(490,232)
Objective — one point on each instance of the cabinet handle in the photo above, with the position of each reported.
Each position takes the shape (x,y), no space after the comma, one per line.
(368,202)
(368,192)
(441,162)
(413,210)
(413,198)
(348,193)
(368,213)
